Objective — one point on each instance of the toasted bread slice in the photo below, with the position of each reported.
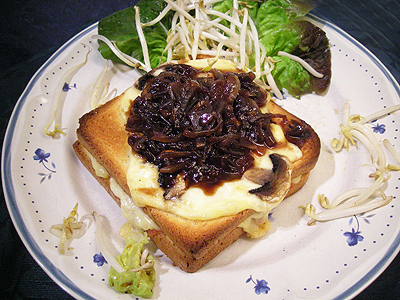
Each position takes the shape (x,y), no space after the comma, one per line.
(190,244)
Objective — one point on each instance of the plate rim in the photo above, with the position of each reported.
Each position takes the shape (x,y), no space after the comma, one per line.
(8,187)
(56,274)
(394,248)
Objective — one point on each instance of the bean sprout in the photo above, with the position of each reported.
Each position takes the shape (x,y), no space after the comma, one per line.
(99,89)
(206,34)
(302,62)
(142,39)
(59,99)
(65,230)
(130,61)
(359,200)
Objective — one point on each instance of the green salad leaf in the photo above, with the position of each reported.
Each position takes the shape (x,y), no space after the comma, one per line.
(134,280)
(272,22)
(279,24)
(120,27)
(313,47)
(280,28)
(292,76)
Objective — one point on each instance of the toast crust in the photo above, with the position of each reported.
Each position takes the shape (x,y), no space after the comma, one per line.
(310,149)
(102,132)
(188,243)
(186,262)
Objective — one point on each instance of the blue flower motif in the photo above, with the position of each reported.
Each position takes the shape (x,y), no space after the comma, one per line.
(67,87)
(353,237)
(40,155)
(379,128)
(260,286)
(362,216)
(99,259)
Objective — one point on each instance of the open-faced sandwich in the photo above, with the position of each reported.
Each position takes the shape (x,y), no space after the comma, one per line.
(196,152)
(197,158)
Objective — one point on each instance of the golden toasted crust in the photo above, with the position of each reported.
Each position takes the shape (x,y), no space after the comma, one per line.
(83,156)
(310,149)
(192,244)
(193,237)
(102,132)
(189,244)
(187,262)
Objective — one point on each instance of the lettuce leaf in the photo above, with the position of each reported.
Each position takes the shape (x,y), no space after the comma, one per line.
(139,283)
(292,76)
(281,29)
(279,26)
(120,27)
(313,47)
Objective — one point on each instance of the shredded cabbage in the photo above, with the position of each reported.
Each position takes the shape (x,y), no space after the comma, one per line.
(133,270)
(139,274)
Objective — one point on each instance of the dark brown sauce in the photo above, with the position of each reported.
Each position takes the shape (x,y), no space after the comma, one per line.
(209,189)
(205,128)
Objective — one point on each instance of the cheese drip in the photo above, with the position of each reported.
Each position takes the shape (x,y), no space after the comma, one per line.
(229,199)
(132,213)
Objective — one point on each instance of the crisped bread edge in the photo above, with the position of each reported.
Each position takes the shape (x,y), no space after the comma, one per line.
(111,153)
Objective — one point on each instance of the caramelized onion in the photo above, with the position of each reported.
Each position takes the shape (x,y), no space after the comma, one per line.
(201,128)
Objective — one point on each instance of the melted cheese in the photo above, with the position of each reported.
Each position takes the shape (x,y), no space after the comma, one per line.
(229,199)
(296,179)
(132,213)
(125,102)
(220,64)
(256,225)
(285,148)
(99,170)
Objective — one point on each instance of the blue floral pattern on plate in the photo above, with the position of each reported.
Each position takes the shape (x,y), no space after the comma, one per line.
(67,87)
(260,286)
(354,236)
(379,128)
(99,259)
(42,157)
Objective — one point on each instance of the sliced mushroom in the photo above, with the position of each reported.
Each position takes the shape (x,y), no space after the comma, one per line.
(274,189)
(259,175)
(179,187)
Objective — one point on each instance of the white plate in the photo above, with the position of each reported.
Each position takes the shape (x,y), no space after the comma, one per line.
(294,260)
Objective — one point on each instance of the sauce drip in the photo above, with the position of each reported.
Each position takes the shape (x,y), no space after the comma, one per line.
(203,126)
